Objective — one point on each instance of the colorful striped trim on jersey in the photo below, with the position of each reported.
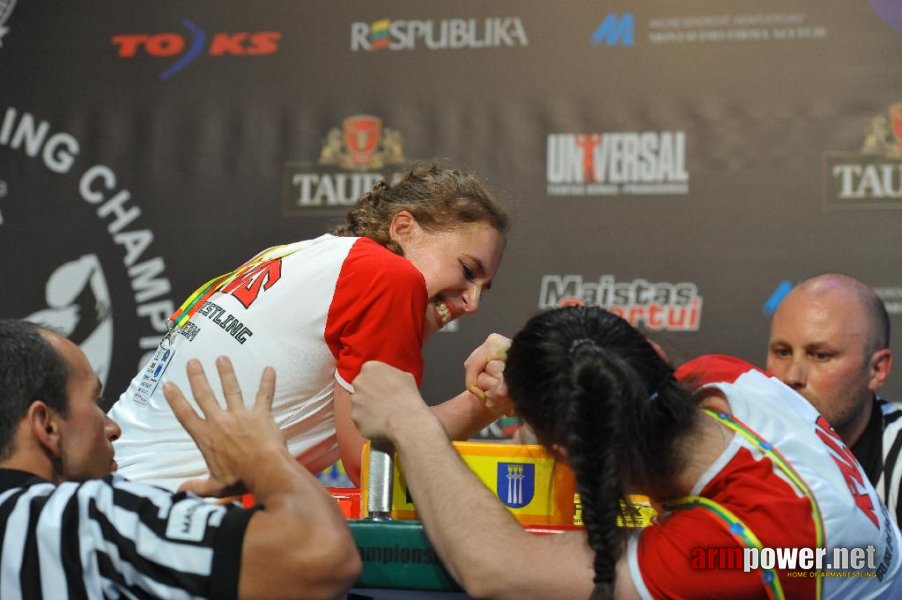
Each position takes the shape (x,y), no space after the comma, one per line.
(734,525)
(740,532)
(731,422)
(190,306)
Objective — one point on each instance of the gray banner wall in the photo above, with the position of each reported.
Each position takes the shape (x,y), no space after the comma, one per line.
(682,161)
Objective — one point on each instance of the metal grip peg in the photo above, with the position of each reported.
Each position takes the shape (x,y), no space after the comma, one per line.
(379,486)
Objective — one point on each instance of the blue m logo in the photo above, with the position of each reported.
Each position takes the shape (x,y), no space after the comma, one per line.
(614,31)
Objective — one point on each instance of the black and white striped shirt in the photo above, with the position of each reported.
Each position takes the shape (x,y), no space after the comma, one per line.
(113,538)
(888,486)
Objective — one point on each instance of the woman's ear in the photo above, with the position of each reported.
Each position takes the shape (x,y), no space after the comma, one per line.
(44,424)
(402,227)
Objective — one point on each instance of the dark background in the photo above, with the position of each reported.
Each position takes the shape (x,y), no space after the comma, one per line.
(203,151)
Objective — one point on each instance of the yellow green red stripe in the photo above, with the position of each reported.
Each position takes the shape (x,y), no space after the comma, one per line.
(731,422)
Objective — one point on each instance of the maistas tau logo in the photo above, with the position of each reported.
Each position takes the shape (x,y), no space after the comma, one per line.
(871,177)
(352,159)
(184,49)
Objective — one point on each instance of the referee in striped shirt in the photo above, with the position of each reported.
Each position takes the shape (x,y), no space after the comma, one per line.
(71,529)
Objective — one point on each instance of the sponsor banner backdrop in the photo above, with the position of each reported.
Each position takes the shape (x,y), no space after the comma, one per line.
(682,164)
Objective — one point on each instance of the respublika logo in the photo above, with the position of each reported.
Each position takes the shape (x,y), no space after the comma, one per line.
(446,34)
(6,9)
(656,306)
(516,483)
(614,30)
(184,49)
(610,164)
(352,160)
(872,177)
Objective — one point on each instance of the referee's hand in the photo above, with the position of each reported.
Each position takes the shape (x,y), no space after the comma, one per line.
(235,441)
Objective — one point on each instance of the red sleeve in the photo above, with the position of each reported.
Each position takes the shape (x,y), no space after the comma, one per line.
(665,556)
(377,312)
(712,368)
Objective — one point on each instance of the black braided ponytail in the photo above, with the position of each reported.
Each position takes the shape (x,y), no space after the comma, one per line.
(586,381)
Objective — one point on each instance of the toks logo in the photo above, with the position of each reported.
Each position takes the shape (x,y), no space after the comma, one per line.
(352,160)
(872,177)
(657,306)
(610,164)
(185,49)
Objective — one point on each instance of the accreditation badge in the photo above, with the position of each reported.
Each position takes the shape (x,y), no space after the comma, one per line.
(154,370)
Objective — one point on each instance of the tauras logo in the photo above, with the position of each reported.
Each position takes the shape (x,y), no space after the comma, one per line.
(98,188)
(656,306)
(605,164)
(446,34)
(352,159)
(872,177)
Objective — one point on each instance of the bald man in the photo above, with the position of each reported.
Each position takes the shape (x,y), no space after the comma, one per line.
(829,340)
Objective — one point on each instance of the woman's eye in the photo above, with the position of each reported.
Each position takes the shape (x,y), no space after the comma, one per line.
(469,274)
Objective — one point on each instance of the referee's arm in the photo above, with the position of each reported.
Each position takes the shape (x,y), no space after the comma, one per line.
(298,544)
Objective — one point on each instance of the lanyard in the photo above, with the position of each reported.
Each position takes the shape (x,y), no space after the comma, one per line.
(190,306)
(739,530)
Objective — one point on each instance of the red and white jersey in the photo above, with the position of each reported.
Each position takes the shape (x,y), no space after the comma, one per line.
(745,481)
(315,315)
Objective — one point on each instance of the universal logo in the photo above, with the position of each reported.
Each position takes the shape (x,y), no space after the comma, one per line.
(871,177)
(352,159)
(610,164)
